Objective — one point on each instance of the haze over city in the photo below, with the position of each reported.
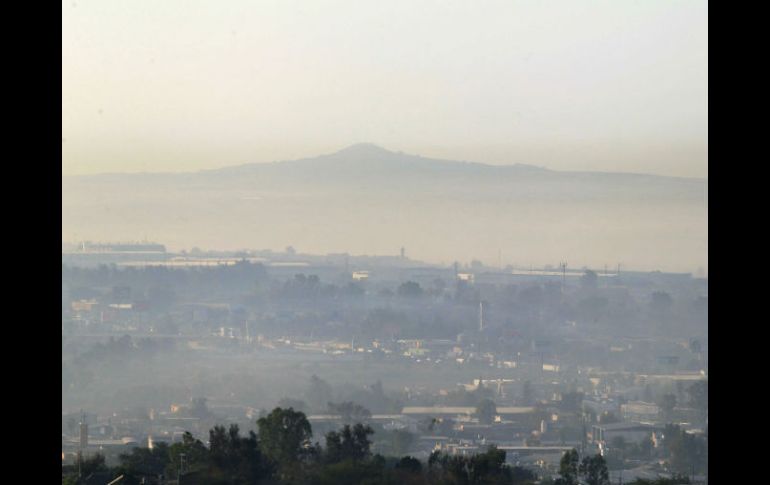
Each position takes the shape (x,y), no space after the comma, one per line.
(412,242)
(365,199)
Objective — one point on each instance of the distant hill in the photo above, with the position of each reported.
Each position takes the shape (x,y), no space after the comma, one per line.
(371,164)
(366,199)
(371,159)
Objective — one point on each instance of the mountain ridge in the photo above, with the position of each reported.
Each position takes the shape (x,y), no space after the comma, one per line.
(362,156)
(370,155)
(443,210)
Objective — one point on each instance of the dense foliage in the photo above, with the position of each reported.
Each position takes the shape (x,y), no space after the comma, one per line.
(282,453)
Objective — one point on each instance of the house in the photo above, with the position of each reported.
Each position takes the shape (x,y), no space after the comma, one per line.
(630,432)
(639,411)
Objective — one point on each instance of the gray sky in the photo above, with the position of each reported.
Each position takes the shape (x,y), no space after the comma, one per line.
(183,85)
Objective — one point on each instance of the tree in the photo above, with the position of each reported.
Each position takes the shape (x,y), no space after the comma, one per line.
(409,464)
(522,476)
(661,302)
(353,290)
(571,401)
(319,393)
(527,393)
(674,480)
(589,279)
(196,455)
(219,442)
(568,468)
(486,468)
(591,309)
(348,472)
(297,404)
(348,444)
(619,443)
(646,447)
(401,441)
(161,297)
(485,411)
(349,411)
(199,409)
(439,286)
(594,470)
(71,479)
(410,289)
(238,458)
(284,435)
(145,462)
(667,404)
(687,452)
(93,464)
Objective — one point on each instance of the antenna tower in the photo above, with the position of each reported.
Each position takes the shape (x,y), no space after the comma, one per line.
(563,266)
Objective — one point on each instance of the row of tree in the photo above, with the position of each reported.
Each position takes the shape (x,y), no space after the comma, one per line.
(282,453)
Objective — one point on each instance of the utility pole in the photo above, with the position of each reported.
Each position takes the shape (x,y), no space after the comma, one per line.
(606,280)
(179,470)
(83,442)
(542,363)
(481,316)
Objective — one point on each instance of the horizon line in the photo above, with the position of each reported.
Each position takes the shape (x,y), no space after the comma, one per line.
(377,147)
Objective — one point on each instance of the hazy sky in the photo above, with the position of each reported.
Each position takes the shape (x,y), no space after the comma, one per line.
(576,85)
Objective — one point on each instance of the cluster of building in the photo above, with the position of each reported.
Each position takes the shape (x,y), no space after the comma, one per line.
(573,403)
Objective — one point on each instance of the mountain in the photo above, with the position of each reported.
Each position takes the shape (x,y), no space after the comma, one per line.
(366,199)
(367,158)
(366,162)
